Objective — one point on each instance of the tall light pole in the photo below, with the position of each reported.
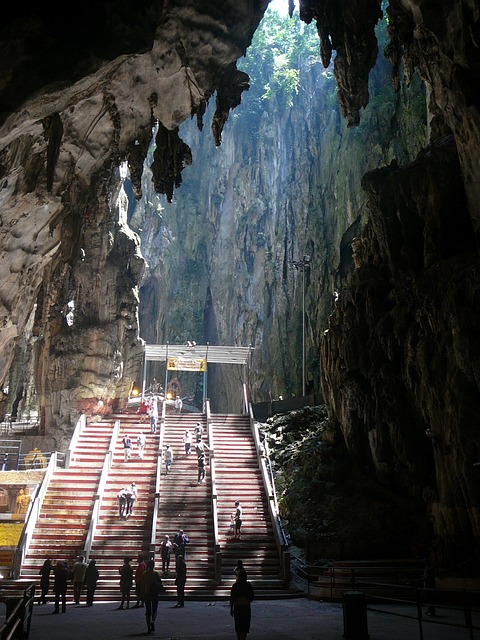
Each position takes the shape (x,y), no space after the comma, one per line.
(303,265)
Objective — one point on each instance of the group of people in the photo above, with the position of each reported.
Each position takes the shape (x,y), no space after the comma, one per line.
(200,449)
(149,407)
(148,584)
(81,574)
(128,446)
(200,446)
(126,499)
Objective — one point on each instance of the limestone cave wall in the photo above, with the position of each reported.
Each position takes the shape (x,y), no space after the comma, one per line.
(77,101)
(402,380)
(285,182)
(78,98)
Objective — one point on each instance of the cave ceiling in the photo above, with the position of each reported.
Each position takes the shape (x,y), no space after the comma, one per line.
(79,95)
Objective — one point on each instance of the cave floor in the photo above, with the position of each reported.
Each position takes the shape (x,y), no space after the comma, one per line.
(292,619)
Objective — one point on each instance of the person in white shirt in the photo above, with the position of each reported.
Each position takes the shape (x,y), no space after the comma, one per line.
(187,441)
(154,415)
(141,442)
(168,458)
(131,497)
(178,404)
(238,519)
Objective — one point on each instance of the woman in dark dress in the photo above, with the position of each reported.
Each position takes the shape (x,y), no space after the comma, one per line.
(61,577)
(91,579)
(126,581)
(241,595)
(45,580)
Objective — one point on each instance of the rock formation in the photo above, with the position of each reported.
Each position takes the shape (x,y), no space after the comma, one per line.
(78,102)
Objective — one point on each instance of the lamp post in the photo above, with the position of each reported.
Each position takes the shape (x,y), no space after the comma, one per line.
(302,265)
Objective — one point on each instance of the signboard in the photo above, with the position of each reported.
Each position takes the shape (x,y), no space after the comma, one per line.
(186,364)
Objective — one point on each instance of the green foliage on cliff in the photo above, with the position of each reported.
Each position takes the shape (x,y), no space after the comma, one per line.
(325,498)
(279,48)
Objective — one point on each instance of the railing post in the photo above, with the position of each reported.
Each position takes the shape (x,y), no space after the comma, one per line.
(468,614)
(218,565)
(79,427)
(419,613)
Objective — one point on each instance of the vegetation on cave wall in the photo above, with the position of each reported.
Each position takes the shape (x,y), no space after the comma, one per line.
(330,505)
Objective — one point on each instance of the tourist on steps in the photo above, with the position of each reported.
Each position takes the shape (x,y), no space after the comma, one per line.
(168,458)
(141,442)
(198,431)
(126,581)
(91,579)
(131,496)
(141,567)
(151,588)
(127,448)
(238,517)
(60,583)
(201,468)
(166,551)
(44,572)
(180,542)
(79,569)
(201,447)
(154,415)
(122,502)
(180,580)
(178,404)
(187,441)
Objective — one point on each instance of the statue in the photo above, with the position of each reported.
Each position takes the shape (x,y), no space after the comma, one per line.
(22,501)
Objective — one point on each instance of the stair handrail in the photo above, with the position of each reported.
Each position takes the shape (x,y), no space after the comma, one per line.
(31,517)
(156,501)
(102,482)
(266,470)
(217,558)
(79,427)
(246,405)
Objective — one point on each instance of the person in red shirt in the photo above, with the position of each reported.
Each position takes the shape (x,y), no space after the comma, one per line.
(141,567)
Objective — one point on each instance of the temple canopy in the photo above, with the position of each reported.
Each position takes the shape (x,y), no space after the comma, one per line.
(211,354)
(194,358)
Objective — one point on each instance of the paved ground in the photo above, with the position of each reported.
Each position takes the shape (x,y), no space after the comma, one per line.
(296,619)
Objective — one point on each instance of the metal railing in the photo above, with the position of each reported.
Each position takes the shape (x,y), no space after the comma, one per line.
(393,590)
(246,405)
(156,503)
(459,608)
(303,574)
(79,427)
(31,517)
(19,425)
(19,598)
(269,484)
(213,480)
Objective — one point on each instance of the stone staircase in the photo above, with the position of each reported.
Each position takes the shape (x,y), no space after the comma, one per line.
(238,477)
(185,504)
(63,522)
(117,537)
